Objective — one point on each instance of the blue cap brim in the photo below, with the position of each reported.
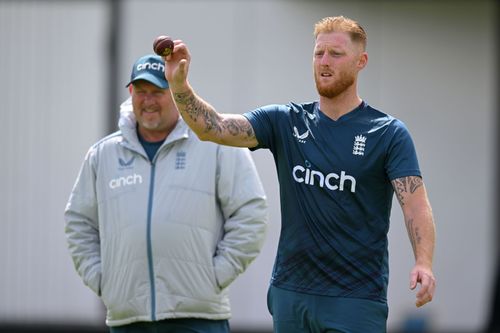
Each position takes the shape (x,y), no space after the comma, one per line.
(152,79)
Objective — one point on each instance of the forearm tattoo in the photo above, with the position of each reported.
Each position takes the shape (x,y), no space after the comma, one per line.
(403,186)
(413,233)
(196,109)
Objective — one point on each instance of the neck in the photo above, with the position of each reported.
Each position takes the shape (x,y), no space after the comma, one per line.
(336,107)
(152,136)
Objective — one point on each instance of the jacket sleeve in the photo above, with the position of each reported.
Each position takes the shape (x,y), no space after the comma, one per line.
(244,206)
(82,227)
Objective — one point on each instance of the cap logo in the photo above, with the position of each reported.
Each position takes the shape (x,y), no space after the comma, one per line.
(154,66)
(149,68)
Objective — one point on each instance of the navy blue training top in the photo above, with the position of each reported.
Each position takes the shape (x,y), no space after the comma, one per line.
(150,147)
(336,195)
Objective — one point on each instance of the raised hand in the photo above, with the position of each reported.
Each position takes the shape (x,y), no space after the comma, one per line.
(177,66)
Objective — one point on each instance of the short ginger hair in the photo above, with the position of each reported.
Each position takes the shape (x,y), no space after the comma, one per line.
(341,24)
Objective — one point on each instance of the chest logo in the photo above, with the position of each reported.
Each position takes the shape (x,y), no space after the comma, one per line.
(123,181)
(332,181)
(124,164)
(300,137)
(180,160)
(359,145)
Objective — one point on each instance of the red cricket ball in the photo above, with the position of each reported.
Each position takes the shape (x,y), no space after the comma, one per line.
(163,45)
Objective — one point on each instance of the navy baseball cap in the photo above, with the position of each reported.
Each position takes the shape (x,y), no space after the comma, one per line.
(150,68)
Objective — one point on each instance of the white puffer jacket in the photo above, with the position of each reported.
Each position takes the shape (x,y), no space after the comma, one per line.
(164,239)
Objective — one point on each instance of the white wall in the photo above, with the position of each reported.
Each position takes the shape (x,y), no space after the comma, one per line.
(51,95)
(431,64)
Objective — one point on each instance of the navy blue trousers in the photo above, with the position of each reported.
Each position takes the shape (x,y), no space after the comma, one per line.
(295,312)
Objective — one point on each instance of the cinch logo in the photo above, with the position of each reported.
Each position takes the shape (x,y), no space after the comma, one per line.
(154,66)
(125,181)
(332,180)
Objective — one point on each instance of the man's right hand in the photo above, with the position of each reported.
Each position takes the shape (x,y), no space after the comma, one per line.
(177,67)
(201,117)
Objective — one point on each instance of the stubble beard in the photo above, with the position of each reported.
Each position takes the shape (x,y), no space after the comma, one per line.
(151,124)
(147,120)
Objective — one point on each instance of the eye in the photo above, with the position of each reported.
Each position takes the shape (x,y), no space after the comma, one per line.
(319,53)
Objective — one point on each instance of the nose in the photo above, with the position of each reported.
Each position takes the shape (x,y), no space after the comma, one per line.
(149,99)
(324,60)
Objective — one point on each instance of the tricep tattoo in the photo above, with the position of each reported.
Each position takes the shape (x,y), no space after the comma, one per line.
(403,186)
(238,127)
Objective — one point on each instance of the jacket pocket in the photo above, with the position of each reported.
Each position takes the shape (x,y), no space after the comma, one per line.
(224,272)
(215,281)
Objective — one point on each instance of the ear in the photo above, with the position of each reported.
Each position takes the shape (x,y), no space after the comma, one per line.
(130,89)
(363,60)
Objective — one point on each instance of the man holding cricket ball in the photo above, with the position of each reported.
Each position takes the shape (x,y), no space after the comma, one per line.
(339,163)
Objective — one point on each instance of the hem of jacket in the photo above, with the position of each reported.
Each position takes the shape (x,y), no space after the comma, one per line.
(130,320)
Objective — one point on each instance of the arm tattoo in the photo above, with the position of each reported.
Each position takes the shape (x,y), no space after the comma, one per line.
(413,233)
(237,127)
(404,185)
(196,108)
